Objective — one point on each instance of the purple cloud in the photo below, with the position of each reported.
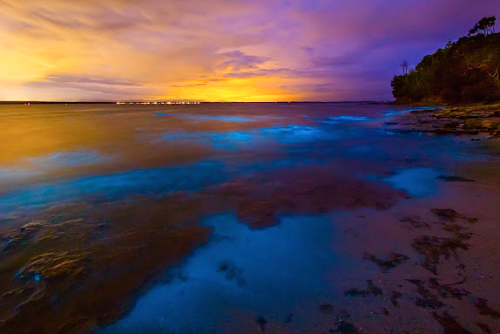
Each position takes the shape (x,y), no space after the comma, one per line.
(330,50)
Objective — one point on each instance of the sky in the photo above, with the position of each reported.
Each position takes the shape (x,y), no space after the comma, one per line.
(221,50)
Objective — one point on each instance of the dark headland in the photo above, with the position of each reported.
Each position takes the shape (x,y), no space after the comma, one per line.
(464,78)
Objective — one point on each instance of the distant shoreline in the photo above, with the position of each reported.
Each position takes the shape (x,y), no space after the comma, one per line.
(190,102)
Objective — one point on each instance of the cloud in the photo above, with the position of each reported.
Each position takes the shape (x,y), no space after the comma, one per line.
(237,61)
(87,79)
(153,49)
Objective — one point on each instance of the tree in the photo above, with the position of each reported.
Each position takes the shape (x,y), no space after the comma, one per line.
(465,71)
(404,67)
(486,25)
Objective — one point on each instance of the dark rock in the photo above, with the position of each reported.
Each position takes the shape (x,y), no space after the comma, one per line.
(289,318)
(415,222)
(261,323)
(432,248)
(423,111)
(485,328)
(394,297)
(233,272)
(447,290)
(446,214)
(345,328)
(393,260)
(484,309)
(453,178)
(26,232)
(370,290)
(427,299)
(326,308)
(449,324)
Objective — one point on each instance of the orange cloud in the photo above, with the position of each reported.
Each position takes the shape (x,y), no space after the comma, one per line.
(218,50)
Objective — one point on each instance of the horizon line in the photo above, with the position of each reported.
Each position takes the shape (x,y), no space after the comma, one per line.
(189,102)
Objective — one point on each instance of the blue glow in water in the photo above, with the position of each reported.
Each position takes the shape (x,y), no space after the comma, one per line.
(155,181)
(265,271)
(295,133)
(344,119)
(417,182)
(174,136)
(120,185)
(225,118)
(398,112)
(230,140)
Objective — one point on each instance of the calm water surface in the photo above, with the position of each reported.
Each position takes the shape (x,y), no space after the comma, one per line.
(53,154)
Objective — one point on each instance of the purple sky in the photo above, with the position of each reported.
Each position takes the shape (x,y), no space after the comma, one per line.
(221,50)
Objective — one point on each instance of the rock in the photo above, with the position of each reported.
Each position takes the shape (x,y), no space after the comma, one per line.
(261,323)
(370,290)
(392,261)
(345,328)
(449,324)
(433,248)
(232,272)
(484,309)
(426,299)
(394,297)
(415,222)
(326,308)
(453,178)
(446,214)
(485,328)
(55,267)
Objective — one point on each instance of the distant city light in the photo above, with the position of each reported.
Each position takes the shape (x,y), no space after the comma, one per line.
(157,103)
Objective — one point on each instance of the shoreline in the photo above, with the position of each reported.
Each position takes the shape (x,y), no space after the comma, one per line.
(483,120)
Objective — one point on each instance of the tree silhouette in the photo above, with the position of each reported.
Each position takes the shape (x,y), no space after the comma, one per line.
(465,71)
(486,26)
(404,67)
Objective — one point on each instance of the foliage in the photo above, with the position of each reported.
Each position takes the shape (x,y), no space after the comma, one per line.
(465,71)
(486,25)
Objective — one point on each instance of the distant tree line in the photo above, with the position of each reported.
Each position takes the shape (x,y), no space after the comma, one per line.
(465,71)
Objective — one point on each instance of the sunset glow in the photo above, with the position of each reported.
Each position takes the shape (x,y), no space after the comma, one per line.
(219,50)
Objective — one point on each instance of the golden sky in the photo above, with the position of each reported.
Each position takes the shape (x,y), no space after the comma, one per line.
(219,50)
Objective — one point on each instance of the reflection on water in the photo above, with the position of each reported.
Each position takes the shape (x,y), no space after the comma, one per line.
(241,268)
(213,160)
(417,182)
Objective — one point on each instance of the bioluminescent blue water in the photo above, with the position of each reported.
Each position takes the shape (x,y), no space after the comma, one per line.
(246,269)
(397,112)
(119,185)
(345,119)
(417,182)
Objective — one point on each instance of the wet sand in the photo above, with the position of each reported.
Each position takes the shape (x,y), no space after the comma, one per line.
(249,219)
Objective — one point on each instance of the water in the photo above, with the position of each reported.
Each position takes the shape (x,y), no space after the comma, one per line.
(78,150)
(300,162)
